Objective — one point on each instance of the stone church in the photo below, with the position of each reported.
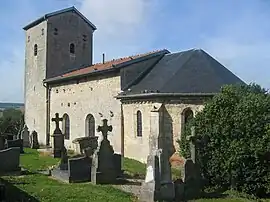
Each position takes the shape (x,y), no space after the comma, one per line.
(137,94)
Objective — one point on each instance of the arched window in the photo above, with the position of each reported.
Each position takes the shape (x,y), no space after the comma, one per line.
(72,48)
(187,115)
(139,124)
(35,49)
(90,125)
(66,126)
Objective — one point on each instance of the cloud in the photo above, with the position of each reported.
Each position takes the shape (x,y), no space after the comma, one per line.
(122,25)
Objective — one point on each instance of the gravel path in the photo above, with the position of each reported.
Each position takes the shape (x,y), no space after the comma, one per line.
(133,186)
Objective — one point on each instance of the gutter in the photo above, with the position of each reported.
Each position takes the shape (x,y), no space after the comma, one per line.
(150,95)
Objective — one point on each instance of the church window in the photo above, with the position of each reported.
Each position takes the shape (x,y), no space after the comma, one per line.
(72,48)
(66,126)
(28,39)
(90,125)
(188,115)
(139,124)
(42,31)
(35,49)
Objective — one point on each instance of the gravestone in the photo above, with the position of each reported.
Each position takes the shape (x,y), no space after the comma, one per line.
(104,170)
(10,159)
(2,142)
(118,165)
(16,143)
(151,186)
(64,159)
(34,140)
(25,136)
(82,143)
(79,169)
(191,173)
(58,137)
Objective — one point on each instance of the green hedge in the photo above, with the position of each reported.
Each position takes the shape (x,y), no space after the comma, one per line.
(234,128)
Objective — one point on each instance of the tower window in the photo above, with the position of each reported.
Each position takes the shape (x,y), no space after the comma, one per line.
(28,39)
(55,31)
(72,48)
(35,49)
(42,31)
(84,37)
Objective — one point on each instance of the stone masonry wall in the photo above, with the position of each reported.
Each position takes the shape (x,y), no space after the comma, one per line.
(94,97)
(138,147)
(34,91)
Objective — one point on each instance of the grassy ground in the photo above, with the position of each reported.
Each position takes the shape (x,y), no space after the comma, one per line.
(35,187)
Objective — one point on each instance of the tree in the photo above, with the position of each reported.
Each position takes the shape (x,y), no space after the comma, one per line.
(235,125)
(11,121)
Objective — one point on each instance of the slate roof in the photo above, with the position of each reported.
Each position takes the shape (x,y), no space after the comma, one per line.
(46,16)
(107,66)
(192,72)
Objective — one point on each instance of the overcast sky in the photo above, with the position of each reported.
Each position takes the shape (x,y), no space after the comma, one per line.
(234,32)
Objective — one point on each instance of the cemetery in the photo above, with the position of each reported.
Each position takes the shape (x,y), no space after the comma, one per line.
(31,172)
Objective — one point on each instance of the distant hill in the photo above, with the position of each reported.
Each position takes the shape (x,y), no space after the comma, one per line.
(4,105)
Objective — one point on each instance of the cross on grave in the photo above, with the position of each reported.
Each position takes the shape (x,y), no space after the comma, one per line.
(57,119)
(104,129)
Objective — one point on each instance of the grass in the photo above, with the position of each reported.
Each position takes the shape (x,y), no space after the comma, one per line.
(36,187)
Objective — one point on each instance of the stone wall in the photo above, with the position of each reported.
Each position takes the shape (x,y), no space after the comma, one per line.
(92,96)
(64,29)
(52,37)
(35,69)
(138,147)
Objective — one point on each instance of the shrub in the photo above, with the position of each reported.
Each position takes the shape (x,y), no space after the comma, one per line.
(234,128)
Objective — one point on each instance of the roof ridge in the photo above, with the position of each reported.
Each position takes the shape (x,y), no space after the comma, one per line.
(127,57)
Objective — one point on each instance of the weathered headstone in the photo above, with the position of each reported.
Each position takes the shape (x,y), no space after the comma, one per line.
(83,143)
(25,136)
(191,174)
(16,143)
(58,137)
(10,160)
(151,186)
(34,140)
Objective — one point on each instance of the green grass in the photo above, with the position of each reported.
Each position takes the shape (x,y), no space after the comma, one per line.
(36,187)
(45,189)
(31,160)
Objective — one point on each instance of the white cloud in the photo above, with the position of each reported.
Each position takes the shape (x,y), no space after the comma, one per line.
(122,25)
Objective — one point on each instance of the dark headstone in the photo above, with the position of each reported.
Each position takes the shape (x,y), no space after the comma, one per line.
(2,192)
(10,159)
(79,169)
(58,144)
(179,190)
(118,164)
(15,143)
(57,119)
(34,140)
(64,160)
(2,142)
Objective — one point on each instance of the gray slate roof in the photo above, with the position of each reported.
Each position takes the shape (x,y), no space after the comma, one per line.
(46,16)
(188,72)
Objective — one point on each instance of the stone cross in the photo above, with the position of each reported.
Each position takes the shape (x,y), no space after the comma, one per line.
(57,119)
(192,146)
(104,129)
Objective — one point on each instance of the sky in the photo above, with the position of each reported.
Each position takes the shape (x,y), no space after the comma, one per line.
(236,33)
